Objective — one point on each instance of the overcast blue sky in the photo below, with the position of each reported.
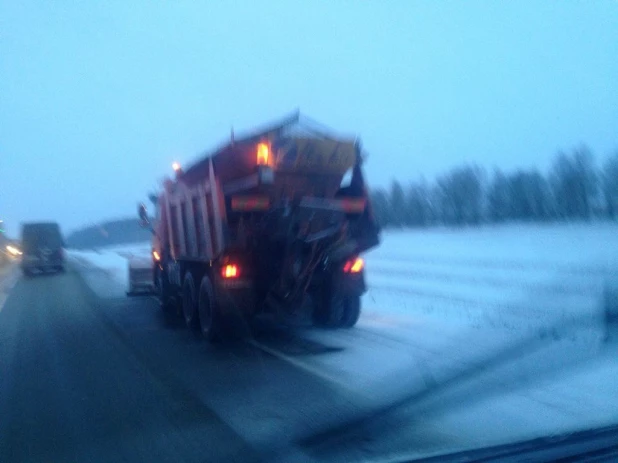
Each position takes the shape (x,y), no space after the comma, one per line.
(98,98)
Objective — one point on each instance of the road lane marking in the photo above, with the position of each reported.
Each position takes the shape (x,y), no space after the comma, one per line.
(307,367)
(8,280)
(301,365)
(12,281)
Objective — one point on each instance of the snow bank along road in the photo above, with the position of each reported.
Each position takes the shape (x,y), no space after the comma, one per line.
(479,337)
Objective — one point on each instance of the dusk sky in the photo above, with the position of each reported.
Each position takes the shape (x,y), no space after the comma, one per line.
(98,98)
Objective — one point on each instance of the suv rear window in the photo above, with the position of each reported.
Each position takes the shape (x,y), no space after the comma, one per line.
(39,235)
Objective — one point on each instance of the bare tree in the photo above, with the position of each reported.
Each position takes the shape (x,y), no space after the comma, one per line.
(399,216)
(381,207)
(499,198)
(574,184)
(530,196)
(418,204)
(610,186)
(461,195)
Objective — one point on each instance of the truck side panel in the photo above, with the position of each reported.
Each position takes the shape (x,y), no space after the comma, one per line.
(218,211)
(170,234)
(179,228)
(189,219)
(205,221)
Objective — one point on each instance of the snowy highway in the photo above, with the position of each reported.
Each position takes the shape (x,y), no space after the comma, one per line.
(468,338)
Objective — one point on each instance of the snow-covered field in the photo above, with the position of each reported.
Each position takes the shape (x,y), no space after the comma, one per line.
(511,277)
(442,302)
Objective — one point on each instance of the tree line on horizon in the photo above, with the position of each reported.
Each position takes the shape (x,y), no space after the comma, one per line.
(573,189)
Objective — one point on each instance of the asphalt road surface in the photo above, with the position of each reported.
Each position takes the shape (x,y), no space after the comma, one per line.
(88,374)
(92,378)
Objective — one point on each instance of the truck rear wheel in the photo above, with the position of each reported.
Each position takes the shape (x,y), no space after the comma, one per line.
(189,302)
(168,308)
(338,310)
(210,318)
(329,313)
(351,310)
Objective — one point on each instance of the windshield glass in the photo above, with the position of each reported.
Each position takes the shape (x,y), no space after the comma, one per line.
(307,231)
(41,235)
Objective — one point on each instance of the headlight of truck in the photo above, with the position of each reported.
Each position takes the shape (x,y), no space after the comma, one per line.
(13,250)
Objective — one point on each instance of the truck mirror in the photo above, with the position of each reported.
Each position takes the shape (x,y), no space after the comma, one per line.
(143,215)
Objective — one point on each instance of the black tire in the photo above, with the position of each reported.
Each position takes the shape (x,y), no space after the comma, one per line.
(158,283)
(329,313)
(338,310)
(351,310)
(168,307)
(189,303)
(211,323)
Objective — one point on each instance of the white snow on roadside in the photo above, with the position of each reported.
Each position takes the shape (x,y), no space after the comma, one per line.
(510,276)
(111,263)
(441,302)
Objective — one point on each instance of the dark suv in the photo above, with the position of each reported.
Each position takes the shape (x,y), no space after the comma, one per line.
(42,247)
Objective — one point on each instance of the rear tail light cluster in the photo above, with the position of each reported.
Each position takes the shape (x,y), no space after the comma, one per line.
(230,271)
(355,265)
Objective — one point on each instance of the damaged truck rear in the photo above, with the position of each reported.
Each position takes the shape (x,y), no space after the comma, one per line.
(271,223)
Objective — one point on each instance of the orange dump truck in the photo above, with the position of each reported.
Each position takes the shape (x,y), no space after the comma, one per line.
(270,223)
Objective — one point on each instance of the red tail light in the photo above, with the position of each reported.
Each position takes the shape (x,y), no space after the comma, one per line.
(250,203)
(230,271)
(354,265)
